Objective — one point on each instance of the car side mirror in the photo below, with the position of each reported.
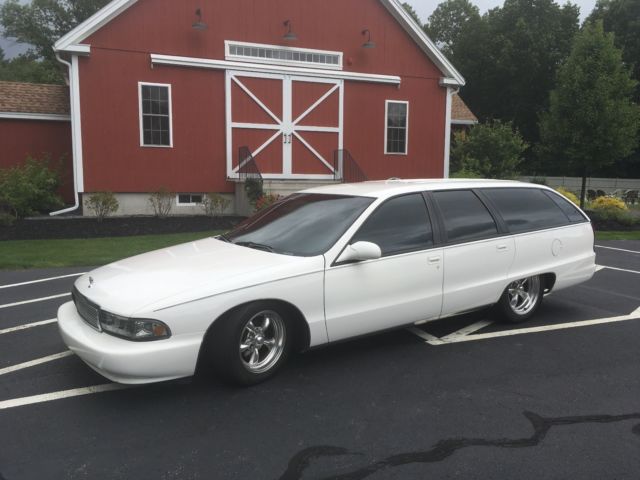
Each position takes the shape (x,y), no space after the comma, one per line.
(359,252)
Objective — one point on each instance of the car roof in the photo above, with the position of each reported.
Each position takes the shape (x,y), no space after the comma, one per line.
(392,187)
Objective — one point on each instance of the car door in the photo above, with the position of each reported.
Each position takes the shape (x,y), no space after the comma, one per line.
(477,253)
(401,287)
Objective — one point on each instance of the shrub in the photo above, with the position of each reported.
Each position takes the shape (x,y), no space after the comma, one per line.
(253,188)
(30,188)
(608,203)
(539,181)
(570,195)
(266,200)
(161,202)
(214,205)
(102,204)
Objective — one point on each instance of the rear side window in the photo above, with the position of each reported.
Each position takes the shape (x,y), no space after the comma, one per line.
(465,216)
(525,209)
(399,225)
(569,209)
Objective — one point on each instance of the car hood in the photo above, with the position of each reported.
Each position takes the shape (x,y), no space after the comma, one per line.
(186,272)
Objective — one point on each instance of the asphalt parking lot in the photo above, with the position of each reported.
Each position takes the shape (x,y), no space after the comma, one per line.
(465,397)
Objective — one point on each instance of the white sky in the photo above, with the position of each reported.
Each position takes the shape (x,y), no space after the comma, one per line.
(424,8)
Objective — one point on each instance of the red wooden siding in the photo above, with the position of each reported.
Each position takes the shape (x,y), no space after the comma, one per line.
(22,138)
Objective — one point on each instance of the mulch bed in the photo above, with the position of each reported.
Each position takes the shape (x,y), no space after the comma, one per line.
(86,227)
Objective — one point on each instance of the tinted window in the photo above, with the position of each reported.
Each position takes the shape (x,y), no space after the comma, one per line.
(301,224)
(569,209)
(465,216)
(398,225)
(525,209)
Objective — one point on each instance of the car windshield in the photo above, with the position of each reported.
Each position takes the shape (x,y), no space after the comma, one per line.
(304,224)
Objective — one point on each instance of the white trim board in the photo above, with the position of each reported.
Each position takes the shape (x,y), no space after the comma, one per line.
(49,117)
(141,116)
(386,127)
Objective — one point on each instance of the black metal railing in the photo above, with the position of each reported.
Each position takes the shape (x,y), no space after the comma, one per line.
(346,169)
(247,166)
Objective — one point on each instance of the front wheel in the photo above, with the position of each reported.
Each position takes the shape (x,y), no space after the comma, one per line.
(520,299)
(250,344)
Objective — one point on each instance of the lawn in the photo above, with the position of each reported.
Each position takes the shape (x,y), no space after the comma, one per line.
(612,235)
(18,254)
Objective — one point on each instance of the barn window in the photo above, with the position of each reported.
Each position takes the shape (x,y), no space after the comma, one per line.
(186,199)
(155,115)
(396,135)
(273,54)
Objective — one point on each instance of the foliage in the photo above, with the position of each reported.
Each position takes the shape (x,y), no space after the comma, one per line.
(30,188)
(214,204)
(607,203)
(26,68)
(450,21)
(40,23)
(253,188)
(492,150)
(570,195)
(465,173)
(539,180)
(591,120)
(102,204)
(161,202)
(412,12)
(266,200)
(6,219)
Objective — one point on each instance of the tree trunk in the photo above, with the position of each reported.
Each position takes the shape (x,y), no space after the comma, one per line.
(583,191)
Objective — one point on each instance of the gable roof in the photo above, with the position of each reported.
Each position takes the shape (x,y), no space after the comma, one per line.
(461,114)
(34,98)
(72,41)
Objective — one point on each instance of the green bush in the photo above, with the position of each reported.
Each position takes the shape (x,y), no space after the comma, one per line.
(161,202)
(30,188)
(214,205)
(102,204)
(253,188)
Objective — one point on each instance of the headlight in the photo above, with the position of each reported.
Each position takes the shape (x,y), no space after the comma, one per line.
(139,329)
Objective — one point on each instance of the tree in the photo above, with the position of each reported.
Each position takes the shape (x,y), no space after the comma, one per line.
(491,150)
(412,12)
(41,23)
(26,68)
(592,120)
(449,21)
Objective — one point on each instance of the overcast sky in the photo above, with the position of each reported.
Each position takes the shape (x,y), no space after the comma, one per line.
(424,8)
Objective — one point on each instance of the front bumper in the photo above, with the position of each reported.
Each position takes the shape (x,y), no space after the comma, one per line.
(124,361)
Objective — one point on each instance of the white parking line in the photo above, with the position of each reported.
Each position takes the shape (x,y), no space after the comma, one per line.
(468,330)
(42,299)
(47,397)
(620,269)
(41,280)
(33,363)
(427,337)
(27,325)
(619,249)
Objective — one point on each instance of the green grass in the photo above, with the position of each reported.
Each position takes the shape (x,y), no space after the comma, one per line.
(612,235)
(18,254)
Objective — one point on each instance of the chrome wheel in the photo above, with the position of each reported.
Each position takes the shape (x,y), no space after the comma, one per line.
(523,295)
(262,341)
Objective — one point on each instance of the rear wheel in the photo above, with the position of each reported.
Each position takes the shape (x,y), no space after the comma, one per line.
(521,299)
(251,343)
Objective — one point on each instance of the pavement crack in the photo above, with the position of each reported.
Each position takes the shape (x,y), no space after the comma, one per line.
(302,460)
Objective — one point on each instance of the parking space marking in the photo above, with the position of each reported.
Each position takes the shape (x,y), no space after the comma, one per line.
(427,337)
(430,339)
(27,325)
(619,249)
(468,330)
(620,269)
(41,280)
(48,397)
(33,363)
(42,299)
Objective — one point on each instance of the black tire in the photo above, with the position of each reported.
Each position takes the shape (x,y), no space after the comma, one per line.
(240,348)
(520,299)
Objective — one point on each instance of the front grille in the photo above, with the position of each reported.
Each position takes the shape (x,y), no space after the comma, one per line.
(88,310)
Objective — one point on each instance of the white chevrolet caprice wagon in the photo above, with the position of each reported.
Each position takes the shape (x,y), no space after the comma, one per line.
(323,265)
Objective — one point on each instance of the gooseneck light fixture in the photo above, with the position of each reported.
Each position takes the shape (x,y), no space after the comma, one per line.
(368,43)
(199,24)
(289,36)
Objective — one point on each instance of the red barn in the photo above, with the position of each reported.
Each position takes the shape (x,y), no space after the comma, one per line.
(165,93)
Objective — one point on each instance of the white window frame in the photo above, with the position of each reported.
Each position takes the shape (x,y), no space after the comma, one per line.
(190,204)
(273,61)
(140,114)
(386,127)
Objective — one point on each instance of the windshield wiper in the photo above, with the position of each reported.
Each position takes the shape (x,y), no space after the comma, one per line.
(256,246)
(223,237)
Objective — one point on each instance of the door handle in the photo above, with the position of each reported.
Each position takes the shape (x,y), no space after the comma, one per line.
(433,260)
(502,248)
(287,138)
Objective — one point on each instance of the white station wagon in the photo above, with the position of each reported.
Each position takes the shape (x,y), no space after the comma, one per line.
(323,265)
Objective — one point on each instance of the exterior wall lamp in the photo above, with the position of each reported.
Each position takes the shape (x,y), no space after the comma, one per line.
(199,24)
(368,43)
(289,36)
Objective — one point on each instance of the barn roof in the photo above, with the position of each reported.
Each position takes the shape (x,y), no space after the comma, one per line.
(461,114)
(34,98)
(72,41)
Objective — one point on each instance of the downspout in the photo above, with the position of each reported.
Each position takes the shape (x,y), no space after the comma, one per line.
(451,91)
(73,144)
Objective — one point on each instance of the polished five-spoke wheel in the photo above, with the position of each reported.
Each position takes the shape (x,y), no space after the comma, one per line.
(262,341)
(521,298)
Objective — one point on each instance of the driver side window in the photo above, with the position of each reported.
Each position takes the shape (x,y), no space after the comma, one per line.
(399,225)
